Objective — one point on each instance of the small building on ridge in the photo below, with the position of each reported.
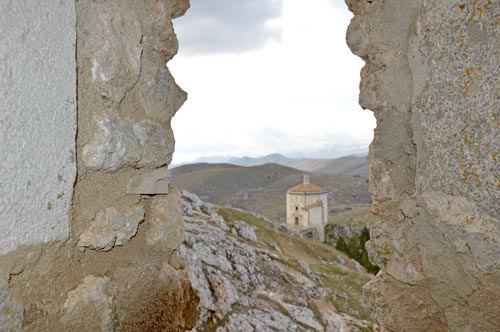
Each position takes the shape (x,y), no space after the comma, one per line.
(307,207)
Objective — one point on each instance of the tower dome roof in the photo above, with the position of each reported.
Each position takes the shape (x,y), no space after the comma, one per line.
(306,188)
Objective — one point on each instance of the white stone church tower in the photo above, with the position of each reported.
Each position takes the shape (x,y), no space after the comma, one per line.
(307,207)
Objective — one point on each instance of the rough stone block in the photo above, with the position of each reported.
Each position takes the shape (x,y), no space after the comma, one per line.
(111,227)
(117,143)
(89,306)
(165,227)
(155,182)
(161,96)
(116,64)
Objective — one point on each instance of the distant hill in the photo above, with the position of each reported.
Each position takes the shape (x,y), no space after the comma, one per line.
(262,188)
(347,165)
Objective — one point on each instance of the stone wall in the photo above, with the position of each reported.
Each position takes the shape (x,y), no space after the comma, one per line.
(37,121)
(98,253)
(431,78)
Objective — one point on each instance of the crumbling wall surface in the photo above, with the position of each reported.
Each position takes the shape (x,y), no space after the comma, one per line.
(431,78)
(119,269)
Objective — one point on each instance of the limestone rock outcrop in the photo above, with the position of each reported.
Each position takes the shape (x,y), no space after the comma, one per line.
(431,78)
(246,284)
(241,228)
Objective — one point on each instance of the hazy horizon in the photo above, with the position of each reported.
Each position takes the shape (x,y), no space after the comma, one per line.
(218,159)
(267,76)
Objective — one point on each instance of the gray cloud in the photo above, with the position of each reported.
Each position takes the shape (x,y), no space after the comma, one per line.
(227,26)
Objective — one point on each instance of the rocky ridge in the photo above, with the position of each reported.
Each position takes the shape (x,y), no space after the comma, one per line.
(248,279)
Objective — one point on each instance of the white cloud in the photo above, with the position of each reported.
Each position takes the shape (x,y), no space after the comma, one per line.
(296,93)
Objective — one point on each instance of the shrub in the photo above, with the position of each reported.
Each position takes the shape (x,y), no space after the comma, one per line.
(356,250)
(341,245)
(365,261)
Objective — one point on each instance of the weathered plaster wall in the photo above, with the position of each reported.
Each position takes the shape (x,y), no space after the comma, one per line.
(292,202)
(318,215)
(37,121)
(431,78)
(116,268)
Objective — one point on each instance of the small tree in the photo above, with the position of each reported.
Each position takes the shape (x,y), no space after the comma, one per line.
(356,249)
(364,237)
(341,245)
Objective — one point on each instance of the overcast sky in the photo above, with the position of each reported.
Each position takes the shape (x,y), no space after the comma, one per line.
(266,76)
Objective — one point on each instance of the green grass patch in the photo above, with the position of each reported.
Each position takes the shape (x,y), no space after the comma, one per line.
(329,269)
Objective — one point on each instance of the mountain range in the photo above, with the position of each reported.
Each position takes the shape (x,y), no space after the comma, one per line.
(354,165)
